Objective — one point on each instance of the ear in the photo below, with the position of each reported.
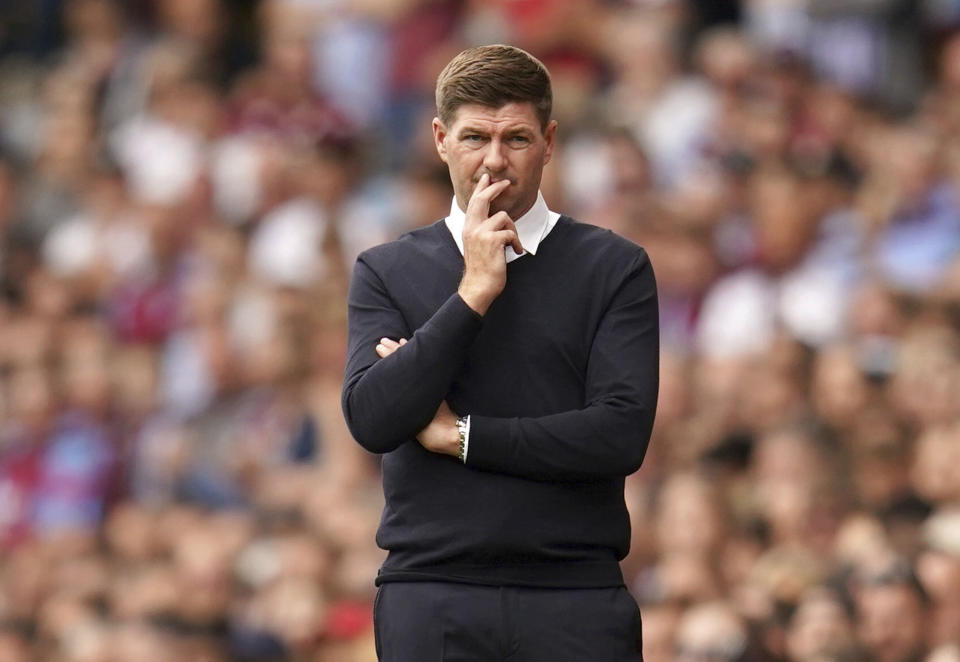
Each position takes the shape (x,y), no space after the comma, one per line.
(549,136)
(439,133)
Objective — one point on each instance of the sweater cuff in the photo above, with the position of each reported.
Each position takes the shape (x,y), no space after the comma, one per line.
(457,301)
(452,323)
(490,443)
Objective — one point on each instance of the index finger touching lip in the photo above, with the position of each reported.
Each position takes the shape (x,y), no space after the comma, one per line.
(482,183)
(483,194)
(490,192)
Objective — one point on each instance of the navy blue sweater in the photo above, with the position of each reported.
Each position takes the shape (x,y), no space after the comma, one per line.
(560,379)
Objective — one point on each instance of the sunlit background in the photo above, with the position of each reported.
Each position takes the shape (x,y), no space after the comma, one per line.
(184,185)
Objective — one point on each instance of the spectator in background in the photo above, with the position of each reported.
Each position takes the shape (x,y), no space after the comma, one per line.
(913,227)
(712,631)
(938,568)
(821,630)
(79,458)
(869,47)
(891,612)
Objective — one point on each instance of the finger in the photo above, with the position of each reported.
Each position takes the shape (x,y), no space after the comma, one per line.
(481,184)
(479,205)
(474,201)
(502,221)
(489,193)
(499,221)
(508,238)
(386,346)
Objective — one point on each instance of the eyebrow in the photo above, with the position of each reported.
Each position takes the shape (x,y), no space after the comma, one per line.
(513,131)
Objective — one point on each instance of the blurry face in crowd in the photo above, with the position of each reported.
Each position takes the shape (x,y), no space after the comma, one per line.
(688,518)
(839,389)
(891,622)
(506,143)
(781,221)
(197,20)
(940,574)
(31,396)
(710,632)
(819,628)
(935,472)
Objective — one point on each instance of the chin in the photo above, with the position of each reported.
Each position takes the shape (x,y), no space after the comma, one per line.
(499,205)
(511,210)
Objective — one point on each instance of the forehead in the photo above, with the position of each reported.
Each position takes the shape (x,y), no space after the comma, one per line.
(511,115)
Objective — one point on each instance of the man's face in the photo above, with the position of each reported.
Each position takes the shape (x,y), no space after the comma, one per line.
(506,143)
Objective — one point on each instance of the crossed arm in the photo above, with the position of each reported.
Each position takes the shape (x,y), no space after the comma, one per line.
(606,437)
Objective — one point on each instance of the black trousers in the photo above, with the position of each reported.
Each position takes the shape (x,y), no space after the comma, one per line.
(448,622)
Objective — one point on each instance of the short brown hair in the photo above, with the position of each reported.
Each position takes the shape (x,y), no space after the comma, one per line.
(492,76)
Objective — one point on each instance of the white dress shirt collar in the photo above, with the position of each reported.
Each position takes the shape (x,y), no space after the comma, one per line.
(532,226)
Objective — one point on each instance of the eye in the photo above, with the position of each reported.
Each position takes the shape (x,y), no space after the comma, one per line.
(473,138)
(520,140)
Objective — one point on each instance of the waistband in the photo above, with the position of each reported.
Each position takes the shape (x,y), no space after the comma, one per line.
(554,574)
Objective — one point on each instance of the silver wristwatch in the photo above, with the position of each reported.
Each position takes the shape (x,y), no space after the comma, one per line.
(462,430)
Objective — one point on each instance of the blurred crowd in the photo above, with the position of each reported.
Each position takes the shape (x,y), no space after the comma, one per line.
(184,185)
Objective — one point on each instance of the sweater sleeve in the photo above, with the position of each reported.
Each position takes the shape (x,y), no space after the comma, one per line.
(609,435)
(389,401)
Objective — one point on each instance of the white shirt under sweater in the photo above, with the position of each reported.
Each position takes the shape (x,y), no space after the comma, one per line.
(532,227)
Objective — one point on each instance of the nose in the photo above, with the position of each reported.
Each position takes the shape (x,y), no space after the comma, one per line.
(495,158)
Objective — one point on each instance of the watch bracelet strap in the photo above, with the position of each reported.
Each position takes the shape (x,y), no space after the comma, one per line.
(462,434)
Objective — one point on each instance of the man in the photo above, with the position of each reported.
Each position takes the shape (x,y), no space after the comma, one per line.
(504,360)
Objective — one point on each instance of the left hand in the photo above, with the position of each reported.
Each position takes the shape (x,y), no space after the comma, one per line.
(441,434)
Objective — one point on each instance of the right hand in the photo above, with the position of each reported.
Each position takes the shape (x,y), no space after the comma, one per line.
(386,346)
(484,241)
